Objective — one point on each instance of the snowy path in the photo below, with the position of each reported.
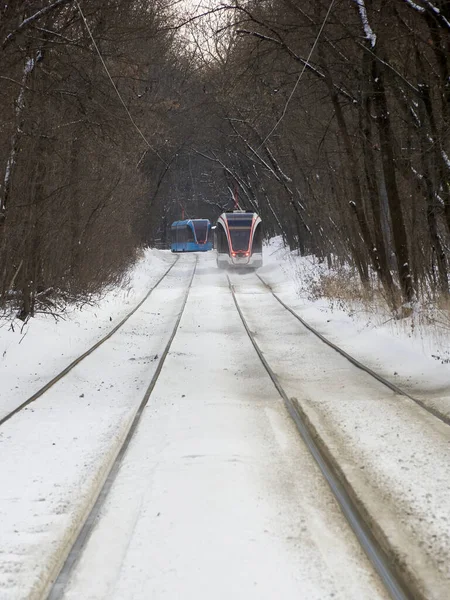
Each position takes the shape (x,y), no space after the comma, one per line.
(395,455)
(217,496)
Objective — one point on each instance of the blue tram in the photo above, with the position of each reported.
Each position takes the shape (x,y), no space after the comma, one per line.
(238,240)
(191,235)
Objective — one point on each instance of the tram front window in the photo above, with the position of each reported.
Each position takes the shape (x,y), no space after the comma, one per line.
(240,227)
(240,238)
(201,231)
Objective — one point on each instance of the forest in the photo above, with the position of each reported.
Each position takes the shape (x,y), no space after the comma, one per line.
(330,118)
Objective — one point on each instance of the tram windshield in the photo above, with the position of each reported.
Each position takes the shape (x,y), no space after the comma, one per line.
(240,227)
(201,230)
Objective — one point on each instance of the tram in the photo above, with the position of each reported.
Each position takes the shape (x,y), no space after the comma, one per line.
(191,235)
(238,239)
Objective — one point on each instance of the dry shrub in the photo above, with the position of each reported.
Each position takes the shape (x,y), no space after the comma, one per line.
(428,319)
(343,290)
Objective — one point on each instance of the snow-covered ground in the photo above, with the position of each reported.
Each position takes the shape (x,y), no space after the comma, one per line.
(57,452)
(216,496)
(407,352)
(209,490)
(32,354)
(394,454)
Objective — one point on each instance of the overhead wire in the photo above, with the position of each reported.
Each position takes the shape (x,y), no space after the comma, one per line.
(306,64)
(114,85)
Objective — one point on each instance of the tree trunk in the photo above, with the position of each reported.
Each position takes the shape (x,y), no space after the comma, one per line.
(75,213)
(427,170)
(388,163)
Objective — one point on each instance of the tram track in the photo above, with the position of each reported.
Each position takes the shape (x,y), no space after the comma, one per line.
(395,580)
(168,435)
(85,354)
(58,586)
(377,551)
(392,386)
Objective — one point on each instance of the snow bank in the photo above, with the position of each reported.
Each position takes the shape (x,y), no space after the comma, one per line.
(32,354)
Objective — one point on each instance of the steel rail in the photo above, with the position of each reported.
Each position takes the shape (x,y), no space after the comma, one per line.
(57,589)
(77,361)
(393,582)
(436,413)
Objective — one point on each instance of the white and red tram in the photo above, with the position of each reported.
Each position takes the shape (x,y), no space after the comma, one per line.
(238,239)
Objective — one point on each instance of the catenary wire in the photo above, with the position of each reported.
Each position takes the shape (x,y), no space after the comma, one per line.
(114,85)
(299,77)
